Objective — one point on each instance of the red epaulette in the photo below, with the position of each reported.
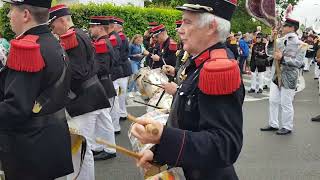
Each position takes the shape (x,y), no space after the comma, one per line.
(173,46)
(122,36)
(69,40)
(101,46)
(113,40)
(25,54)
(219,75)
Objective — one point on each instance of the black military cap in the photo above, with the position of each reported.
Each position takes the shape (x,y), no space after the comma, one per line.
(37,3)
(292,23)
(58,11)
(99,20)
(118,21)
(157,29)
(221,8)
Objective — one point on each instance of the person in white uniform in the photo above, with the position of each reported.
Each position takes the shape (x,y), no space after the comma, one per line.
(290,54)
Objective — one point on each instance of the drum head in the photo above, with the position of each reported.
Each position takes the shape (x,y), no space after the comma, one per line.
(147,77)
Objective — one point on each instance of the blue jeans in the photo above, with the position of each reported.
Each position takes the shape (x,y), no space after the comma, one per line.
(241,62)
(135,65)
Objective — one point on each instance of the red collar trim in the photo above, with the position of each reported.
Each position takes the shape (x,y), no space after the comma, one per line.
(202,58)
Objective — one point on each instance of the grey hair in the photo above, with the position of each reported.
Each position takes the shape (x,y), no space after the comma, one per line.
(224,26)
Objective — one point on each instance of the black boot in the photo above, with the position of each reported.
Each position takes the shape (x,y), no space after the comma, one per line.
(123,118)
(104,156)
(265,87)
(316,119)
(283,131)
(251,91)
(260,91)
(268,128)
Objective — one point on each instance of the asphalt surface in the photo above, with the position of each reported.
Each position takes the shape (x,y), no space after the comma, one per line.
(265,156)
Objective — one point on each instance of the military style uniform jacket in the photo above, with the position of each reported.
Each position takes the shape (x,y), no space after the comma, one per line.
(105,58)
(204,130)
(153,49)
(34,135)
(294,52)
(181,64)
(117,68)
(126,65)
(311,52)
(167,53)
(88,93)
(258,47)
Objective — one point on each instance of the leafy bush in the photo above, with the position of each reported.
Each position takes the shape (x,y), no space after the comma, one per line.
(136,18)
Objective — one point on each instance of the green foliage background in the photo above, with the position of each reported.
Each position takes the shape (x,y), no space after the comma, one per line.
(136,18)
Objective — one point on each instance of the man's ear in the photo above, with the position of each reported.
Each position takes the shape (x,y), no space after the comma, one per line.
(212,28)
(26,15)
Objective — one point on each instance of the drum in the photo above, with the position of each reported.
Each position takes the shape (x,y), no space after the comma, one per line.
(148,81)
(171,174)
(158,115)
(160,100)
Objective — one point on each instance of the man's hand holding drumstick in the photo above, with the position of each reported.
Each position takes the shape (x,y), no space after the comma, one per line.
(168,70)
(139,130)
(146,130)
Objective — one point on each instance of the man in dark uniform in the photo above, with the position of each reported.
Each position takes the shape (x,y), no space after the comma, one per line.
(178,72)
(310,53)
(34,135)
(127,70)
(166,53)
(105,57)
(204,130)
(89,97)
(147,35)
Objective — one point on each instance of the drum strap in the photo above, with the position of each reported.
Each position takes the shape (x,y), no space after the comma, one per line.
(83,153)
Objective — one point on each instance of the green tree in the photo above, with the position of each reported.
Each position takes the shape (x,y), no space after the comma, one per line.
(283,4)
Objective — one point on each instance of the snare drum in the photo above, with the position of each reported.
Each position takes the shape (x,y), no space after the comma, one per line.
(162,101)
(158,115)
(171,174)
(146,77)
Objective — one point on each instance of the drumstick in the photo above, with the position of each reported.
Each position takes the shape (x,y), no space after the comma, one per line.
(157,107)
(150,128)
(158,85)
(164,62)
(119,148)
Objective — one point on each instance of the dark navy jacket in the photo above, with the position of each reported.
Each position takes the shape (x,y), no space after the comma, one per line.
(204,132)
(105,57)
(36,144)
(89,92)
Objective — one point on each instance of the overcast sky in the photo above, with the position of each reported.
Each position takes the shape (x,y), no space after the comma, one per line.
(307,11)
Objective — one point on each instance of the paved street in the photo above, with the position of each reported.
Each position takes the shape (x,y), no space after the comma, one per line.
(265,156)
